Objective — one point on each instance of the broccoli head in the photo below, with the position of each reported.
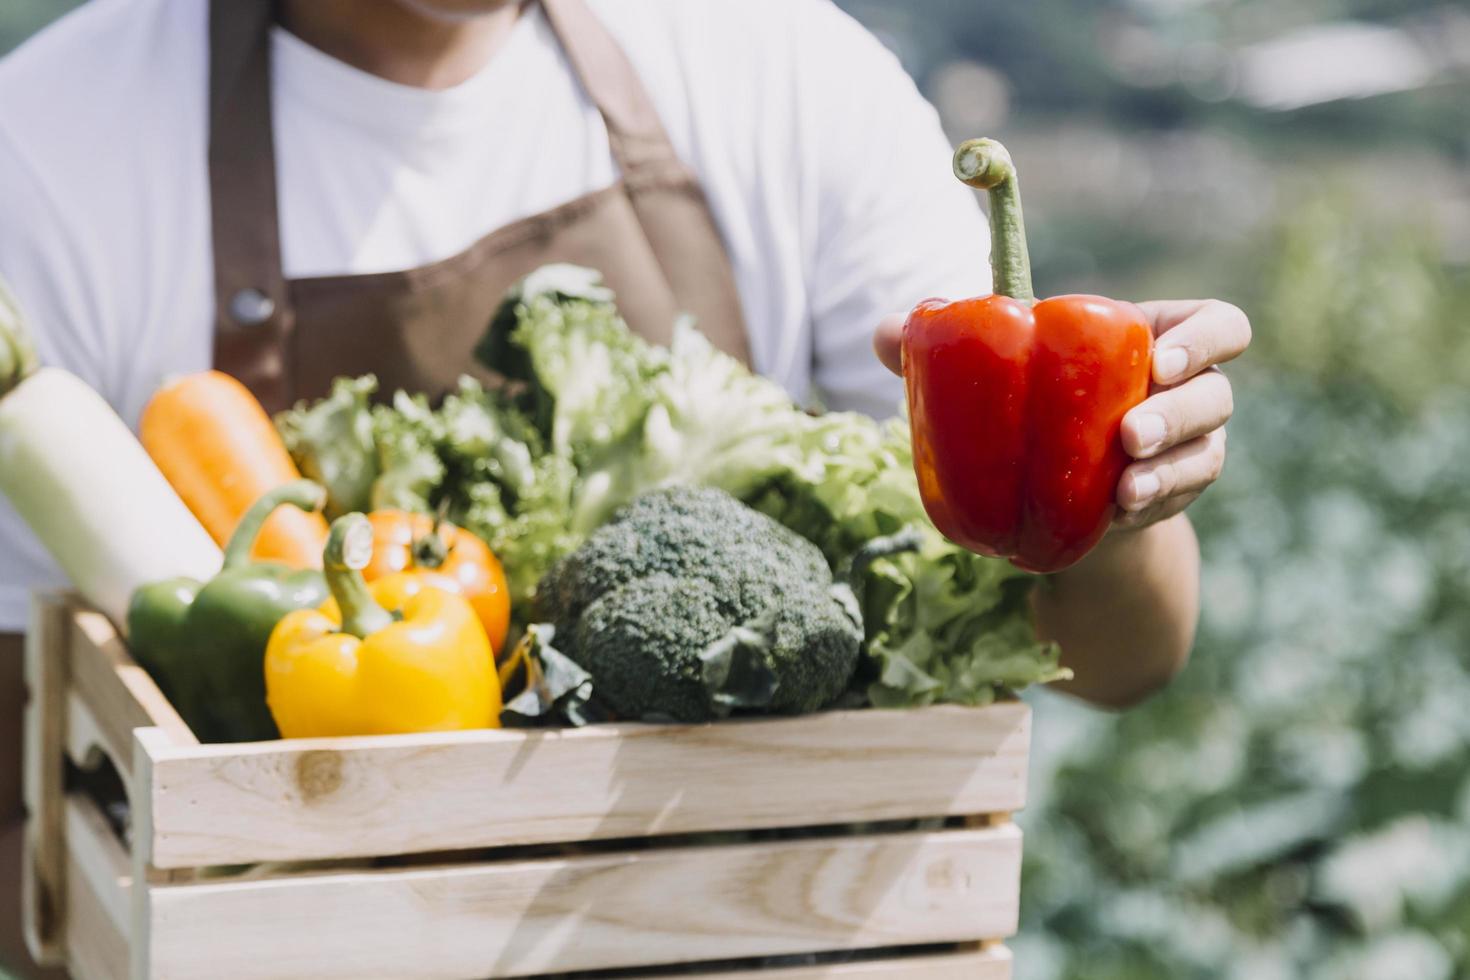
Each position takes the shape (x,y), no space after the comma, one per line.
(684,532)
(689,604)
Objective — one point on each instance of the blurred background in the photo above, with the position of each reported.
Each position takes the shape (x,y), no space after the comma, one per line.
(1297,805)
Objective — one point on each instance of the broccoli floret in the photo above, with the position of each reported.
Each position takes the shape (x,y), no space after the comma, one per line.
(688,604)
(685,532)
(816,650)
(665,623)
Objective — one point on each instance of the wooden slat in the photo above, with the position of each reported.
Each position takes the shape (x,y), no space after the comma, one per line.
(96,854)
(314,799)
(43,875)
(992,963)
(97,895)
(599,911)
(84,738)
(95,949)
(146,742)
(119,693)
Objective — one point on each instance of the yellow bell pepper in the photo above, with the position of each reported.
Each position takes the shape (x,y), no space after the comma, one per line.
(353,667)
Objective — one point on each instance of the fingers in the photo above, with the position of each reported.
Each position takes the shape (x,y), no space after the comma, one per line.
(1158,513)
(1178,433)
(1149,489)
(886,342)
(1193,335)
(1177,415)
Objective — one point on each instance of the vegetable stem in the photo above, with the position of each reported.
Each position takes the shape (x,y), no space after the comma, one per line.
(431,550)
(18,359)
(907,539)
(305,494)
(349,549)
(986,164)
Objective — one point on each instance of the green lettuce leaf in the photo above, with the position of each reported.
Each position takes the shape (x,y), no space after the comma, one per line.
(334,442)
(410,471)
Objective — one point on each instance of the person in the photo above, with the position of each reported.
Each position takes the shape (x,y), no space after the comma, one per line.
(307,188)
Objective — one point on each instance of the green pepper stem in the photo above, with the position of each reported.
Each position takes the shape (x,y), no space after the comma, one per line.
(298,493)
(432,551)
(349,549)
(987,165)
(18,359)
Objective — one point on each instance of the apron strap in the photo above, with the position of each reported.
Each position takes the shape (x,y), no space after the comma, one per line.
(636,135)
(253,317)
(671,207)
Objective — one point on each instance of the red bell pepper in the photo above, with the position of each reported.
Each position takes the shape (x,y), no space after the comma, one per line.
(1016,405)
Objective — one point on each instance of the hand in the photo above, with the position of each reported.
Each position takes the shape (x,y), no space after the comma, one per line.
(1177,435)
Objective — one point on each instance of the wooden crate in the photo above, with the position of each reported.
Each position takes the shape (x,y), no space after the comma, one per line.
(513,853)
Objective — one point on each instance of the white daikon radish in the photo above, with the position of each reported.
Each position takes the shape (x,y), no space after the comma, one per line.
(80,479)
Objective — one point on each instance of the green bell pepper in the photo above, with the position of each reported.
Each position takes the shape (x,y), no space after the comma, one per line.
(204,642)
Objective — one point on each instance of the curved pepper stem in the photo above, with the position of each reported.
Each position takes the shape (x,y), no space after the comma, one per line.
(987,165)
(431,551)
(304,494)
(18,359)
(349,549)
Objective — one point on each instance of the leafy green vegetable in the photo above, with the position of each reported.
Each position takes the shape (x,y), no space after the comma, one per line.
(943,624)
(591,376)
(593,417)
(408,464)
(545,683)
(335,443)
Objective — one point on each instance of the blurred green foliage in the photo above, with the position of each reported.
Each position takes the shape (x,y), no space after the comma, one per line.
(1353,297)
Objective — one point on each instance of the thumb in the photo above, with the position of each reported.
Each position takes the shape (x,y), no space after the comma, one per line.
(886,342)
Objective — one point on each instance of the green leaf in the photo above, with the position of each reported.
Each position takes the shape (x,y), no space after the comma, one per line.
(736,668)
(334,443)
(557,689)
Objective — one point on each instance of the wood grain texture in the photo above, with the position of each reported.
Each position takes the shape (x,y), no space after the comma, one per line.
(147,742)
(119,693)
(95,853)
(993,963)
(43,875)
(313,799)
(95,948)
(98,883)
(603,911)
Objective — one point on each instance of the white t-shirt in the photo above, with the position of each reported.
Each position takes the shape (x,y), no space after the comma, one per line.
(826,170)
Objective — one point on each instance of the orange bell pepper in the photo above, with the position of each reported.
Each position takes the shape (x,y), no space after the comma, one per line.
(461,562)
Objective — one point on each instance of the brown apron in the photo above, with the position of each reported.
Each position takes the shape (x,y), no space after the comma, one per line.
(651,235)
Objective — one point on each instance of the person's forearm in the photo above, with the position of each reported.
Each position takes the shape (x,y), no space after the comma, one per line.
(1125,615)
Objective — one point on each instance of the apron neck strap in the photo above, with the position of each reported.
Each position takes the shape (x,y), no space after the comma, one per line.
(635,133)
(249,283)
